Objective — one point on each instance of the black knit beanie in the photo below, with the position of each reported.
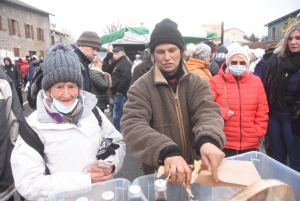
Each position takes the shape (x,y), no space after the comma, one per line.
(166,32)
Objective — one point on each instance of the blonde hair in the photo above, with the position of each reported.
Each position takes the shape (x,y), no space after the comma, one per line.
(95,60)
(284,46)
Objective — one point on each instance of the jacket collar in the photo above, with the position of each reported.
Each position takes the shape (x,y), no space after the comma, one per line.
(160,79)
(95,68)
(81,55)
(194,63)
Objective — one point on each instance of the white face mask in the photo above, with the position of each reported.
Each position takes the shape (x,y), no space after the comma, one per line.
(237,70)
(63,109)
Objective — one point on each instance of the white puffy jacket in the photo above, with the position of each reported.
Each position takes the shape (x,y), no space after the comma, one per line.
(68,149)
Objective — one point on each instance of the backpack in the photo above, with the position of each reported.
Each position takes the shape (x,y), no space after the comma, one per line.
(35,87)
(32,139)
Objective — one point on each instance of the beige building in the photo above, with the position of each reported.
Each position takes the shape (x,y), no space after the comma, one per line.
(24,29)
(233,34)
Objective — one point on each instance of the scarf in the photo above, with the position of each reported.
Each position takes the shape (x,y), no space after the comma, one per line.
(174,78)
(286,67)
(71,117)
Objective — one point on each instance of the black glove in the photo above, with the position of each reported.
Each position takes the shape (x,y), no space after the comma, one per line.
(106,149)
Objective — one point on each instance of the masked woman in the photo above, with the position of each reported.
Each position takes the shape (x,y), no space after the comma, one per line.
(243,103)
(74,138)
(282,84)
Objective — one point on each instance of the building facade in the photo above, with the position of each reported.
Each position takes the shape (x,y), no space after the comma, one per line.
(24,30)
(233,34)
(274,27)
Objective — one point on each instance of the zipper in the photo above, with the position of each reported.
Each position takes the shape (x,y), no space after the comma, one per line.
(178,111)
(240,115)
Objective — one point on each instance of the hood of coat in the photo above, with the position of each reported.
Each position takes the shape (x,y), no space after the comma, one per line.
(89,102)
(229,77)
(194,63)
(24,62)
(7,59)
(95,68)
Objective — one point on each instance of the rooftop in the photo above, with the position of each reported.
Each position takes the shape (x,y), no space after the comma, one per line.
(232,28)
(21,3)
(285,16)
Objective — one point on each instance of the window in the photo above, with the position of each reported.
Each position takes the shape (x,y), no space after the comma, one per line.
(52,40)
(274,32)
(40,34)
(17,52)
(28,31)
(14,27)
(31,53)
(0,23)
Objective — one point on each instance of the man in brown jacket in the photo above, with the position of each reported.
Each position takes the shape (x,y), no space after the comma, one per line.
(170,115)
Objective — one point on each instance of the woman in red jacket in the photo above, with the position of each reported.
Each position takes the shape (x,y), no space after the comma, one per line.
(243,103)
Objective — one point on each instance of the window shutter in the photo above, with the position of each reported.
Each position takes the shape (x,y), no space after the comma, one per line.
(19,30)
(0,23)
(276,31)
(17,52)
(37,34)
(10,26)
(26,31)
(42,34)
(32,32)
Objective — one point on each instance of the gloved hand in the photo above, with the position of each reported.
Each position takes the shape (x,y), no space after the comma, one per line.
(106,149)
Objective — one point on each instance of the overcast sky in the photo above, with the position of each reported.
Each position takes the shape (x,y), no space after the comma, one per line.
(93,15)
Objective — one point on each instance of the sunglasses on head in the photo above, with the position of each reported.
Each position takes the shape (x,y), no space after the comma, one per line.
(243,63)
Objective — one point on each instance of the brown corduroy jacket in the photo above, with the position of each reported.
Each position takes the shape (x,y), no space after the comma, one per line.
(155,117)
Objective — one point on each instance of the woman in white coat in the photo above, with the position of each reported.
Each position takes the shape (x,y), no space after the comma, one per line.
(69,130)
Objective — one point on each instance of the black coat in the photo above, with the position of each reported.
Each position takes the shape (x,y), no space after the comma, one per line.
(100,84)
(121,76)
(13,72)
(85,61)
(141,69)
(213,67)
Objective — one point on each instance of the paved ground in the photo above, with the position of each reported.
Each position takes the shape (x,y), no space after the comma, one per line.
(131,168)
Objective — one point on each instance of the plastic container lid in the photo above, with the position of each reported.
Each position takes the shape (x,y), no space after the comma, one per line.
(160,185)
(82,199)
(135,191)
(108,195)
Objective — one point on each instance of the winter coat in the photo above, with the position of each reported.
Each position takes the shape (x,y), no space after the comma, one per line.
(213,67)
(85,61)
(155,117)
(11,117)
(24,68)
(247,99)
(31,70)
(100,85)
(121,76)
(141,69)
(259,68)
(199,67)
(13,72)
(19,63)
(69,148)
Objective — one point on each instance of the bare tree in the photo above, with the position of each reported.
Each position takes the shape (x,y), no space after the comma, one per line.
(68,36)
(113,27)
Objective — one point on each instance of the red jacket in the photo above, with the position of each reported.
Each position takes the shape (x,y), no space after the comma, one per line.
(247,99)
(24,68)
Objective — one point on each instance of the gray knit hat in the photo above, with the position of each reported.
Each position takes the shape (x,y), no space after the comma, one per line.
(202,51)
(89,39)
(222,49)
(61,64)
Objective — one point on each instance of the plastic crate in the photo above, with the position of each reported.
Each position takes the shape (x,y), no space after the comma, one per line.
(266,167)
(118,186)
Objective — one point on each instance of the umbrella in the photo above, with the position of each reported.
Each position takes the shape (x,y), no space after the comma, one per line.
(128,35)
(203,35)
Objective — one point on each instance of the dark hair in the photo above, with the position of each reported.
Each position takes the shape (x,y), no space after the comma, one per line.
(109,55)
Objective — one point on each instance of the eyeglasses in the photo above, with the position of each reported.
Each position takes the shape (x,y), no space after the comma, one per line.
(243,63)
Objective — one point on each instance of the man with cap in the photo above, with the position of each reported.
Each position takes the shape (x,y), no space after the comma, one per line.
(121,78)
(220,57)
(170,117)
(86,49)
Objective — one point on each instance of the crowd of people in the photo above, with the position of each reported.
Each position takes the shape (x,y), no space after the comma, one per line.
(174,104)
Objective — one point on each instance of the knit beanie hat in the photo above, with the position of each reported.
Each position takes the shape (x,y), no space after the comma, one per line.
(166,32)
(242,53)
(89,39)
(202,51)
(61,64)
(222,49)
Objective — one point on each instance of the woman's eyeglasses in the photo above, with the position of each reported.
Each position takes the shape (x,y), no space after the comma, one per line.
(243,63)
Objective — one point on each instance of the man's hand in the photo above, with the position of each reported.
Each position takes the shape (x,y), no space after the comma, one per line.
(212,157)
(178,169)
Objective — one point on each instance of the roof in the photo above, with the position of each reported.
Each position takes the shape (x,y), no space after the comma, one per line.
(233,28)
(21,3)
(285,16)
(58,32)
